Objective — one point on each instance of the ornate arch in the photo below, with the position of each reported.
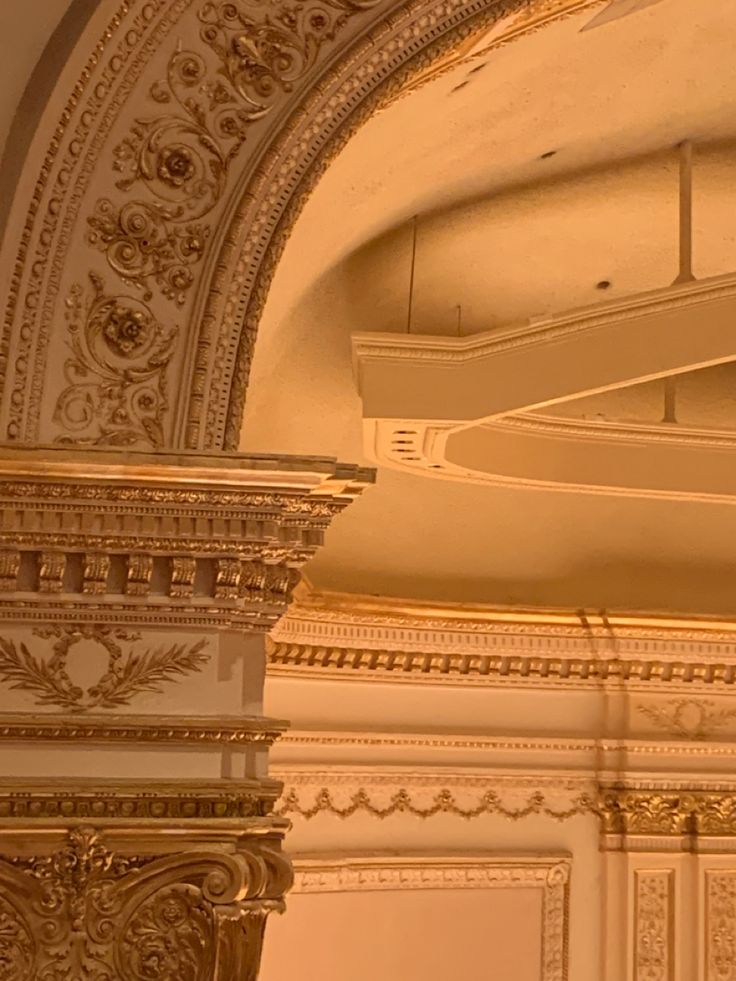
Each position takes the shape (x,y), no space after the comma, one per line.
(170,163)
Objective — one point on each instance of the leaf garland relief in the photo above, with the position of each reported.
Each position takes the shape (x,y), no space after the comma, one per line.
(126,675)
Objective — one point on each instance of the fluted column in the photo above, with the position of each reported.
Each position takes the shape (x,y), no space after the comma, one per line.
(137,838)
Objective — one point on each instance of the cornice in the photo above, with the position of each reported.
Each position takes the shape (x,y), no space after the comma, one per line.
(161,538)
(365,639)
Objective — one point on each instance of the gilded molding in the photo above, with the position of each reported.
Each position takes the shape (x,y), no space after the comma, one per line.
(411,39)
(654,925)
(168,730)
(81,909)
(378,873)
(154,526)
(657,811)
(148,801)
(174,166)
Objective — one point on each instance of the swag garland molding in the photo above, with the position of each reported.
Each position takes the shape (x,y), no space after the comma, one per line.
(171,162)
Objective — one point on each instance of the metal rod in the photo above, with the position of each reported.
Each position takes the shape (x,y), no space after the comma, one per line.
(686,213)
(670,396)
(411,275)
(685,275)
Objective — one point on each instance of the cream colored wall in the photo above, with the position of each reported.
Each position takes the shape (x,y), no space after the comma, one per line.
(421,935)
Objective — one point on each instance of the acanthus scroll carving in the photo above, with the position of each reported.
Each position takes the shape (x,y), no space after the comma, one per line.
(116,392)
(180,159)
(86,911)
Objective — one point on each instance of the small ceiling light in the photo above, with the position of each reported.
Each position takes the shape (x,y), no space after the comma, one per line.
(604,284)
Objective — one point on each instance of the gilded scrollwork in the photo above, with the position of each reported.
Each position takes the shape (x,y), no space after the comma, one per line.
(86,911)
(17,949)
(169,937)
(116,393)
(125,675)
(181,156)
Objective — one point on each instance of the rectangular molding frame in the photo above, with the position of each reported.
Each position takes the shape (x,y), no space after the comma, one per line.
(550,874)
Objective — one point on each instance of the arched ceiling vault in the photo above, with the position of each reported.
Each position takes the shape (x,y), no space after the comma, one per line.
(508,232)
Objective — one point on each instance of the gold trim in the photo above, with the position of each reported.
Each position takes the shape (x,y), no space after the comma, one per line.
(658,812)
(170,730)
(156,801)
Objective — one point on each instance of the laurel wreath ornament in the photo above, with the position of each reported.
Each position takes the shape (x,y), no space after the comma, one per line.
(125,676)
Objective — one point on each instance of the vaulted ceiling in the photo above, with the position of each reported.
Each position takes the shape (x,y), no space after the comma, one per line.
(543,169)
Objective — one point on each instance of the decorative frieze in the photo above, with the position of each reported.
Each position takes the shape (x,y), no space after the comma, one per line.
(425,794)
(662,812)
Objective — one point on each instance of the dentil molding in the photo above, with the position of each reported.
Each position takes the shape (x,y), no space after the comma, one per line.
(379,639)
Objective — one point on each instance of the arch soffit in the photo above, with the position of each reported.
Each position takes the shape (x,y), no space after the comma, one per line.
(170,163)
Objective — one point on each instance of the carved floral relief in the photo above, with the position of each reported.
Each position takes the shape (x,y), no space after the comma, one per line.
(653,957)
(116,392)
(174,164)
(720,938)
(86,912)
